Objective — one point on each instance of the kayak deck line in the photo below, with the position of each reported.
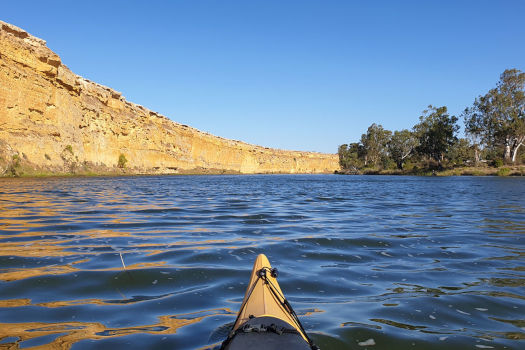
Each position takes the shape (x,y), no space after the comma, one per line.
(265,314)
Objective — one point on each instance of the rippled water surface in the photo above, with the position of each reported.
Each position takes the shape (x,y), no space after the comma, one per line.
(392,262)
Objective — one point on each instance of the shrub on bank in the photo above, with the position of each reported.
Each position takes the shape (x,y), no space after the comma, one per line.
(122,161)
(14,167)
(497,163)
(503,172)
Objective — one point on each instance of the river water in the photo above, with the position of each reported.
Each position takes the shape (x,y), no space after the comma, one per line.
(367,262)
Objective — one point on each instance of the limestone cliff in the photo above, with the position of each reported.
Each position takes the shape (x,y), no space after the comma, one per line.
(54,121)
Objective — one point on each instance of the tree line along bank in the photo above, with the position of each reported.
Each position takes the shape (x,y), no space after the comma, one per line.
(494,136)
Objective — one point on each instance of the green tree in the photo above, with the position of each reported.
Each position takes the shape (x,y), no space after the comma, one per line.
(401,145)
(342,152)
(461,152)
(350,155)
(477,150)
(436,132)
(498,117)
(375,144)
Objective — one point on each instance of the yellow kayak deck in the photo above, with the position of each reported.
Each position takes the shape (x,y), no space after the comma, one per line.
(264,297)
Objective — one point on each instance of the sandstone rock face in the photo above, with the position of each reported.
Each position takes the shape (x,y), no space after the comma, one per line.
(57,121)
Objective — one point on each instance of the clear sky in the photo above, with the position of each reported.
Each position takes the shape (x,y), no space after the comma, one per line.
(297,74)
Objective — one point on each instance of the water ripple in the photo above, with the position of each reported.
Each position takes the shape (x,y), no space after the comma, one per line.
(379,262)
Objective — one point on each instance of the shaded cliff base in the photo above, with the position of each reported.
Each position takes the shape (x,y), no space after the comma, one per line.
(25,170)
(15,165)
(19,166)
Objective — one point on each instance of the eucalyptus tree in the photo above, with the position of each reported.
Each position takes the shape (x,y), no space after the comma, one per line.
(436,132)
(498,117)
(401,145)
(342,152)
(375,144)
(350,155)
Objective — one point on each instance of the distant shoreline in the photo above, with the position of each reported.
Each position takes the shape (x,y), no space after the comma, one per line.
(460,171)
(513,171)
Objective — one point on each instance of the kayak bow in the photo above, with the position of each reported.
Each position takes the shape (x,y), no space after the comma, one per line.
(266,319)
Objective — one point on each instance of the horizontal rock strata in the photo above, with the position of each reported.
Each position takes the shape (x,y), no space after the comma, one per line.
(58,122)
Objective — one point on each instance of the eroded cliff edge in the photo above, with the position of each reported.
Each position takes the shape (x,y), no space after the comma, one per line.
(54,121)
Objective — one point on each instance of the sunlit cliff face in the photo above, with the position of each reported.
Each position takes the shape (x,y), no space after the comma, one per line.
(53,120)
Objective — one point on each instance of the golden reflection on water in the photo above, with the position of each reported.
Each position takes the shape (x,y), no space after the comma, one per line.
(36,248)
(47,244)
(58,245)
(15,302)
(39,244)
(69,333)
(19,274)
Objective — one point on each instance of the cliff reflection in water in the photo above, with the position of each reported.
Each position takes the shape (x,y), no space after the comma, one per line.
(63,335)
(163,262)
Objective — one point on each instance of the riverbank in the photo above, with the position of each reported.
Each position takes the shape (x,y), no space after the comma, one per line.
(21,169)
(91,172)
(459,171)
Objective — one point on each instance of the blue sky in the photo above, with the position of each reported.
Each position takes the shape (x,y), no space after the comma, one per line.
(298,74)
